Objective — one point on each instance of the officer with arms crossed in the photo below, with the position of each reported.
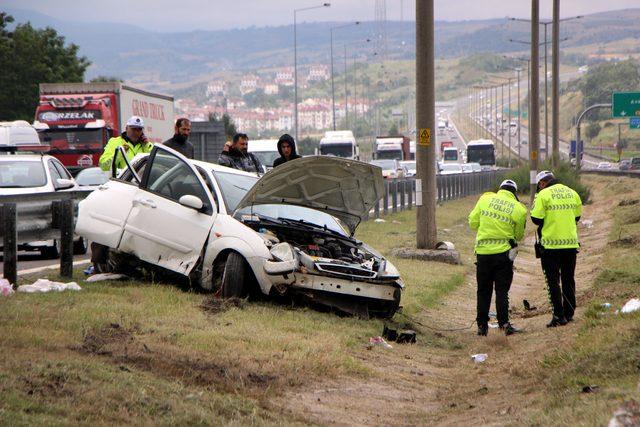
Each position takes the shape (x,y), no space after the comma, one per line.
(556,210)
(500,220)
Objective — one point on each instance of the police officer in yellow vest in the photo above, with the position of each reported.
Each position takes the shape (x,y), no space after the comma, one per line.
(556,210)
(133,140)
(500,219)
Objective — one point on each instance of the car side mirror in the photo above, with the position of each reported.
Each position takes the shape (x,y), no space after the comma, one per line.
(191,201)
(63,184)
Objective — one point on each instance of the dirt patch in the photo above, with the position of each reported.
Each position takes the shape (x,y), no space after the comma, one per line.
(215,305)
(50,381)
(628,202)
(129,349)
(625,242)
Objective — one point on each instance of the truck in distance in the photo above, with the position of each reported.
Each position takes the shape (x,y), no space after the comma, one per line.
(392,147)
(339,143)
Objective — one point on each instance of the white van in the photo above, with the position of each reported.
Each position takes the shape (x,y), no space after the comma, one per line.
(18,133)
(266,150)
(450,155)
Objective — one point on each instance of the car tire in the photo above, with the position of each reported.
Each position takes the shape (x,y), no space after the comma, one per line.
(80,246)
(234,277)
(51,252)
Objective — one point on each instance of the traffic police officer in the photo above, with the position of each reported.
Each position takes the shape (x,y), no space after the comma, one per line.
(556,210)
(500,220)
(133,140)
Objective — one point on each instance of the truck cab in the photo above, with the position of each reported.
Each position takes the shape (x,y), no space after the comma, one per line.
(340,144)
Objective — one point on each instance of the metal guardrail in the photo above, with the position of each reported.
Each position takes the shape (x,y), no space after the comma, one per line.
(40,216)
(612,172)
(399,194)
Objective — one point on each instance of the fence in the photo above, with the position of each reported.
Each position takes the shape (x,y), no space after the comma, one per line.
(34,217)
(399,194)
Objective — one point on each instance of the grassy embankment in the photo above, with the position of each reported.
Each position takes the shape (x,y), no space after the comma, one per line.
(127,351)
(606,349)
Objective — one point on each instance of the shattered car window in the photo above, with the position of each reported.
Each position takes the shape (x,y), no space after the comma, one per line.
(234,187)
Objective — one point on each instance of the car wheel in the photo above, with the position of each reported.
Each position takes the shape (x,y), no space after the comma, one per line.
(80,246)
(234,277)
(51,252)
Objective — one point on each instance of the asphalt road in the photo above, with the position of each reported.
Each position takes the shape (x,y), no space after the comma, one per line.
(29,260)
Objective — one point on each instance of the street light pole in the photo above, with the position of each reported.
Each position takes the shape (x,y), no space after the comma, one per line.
(555,85)
(519,112)
(295,61)
(426,231)
(534,112)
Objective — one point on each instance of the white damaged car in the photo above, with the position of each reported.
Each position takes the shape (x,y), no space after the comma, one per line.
(288,232)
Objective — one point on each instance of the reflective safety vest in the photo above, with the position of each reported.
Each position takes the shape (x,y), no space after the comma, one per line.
(559,206)
(110,149)
(498,217)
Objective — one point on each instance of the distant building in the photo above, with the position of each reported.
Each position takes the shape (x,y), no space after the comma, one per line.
(271,89)
(216,88)
(316,116)
(284,77)
(249,84)
(318,73)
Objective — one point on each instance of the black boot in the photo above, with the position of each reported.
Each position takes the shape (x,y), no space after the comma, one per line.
(509,329)
(556,321)
(483,330)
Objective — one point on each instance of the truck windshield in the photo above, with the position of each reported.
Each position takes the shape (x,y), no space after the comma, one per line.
(73,138)
(450,154)
(389,154)
(483,154)
(266,157)
(340,149)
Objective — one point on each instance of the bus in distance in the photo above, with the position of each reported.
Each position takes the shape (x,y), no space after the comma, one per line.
(481,151)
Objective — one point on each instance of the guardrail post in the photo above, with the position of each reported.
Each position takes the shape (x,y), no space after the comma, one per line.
(376,210)
(385,208)
(66,238)
(10,242)
(410,194)
(394,196)
(403,189)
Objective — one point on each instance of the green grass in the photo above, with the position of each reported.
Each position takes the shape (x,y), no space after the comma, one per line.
(145,353)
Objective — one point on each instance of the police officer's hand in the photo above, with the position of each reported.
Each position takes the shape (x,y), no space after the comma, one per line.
(125,147)
(143,139)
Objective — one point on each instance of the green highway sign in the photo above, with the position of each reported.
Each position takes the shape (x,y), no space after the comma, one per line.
(626,104)
(634,123)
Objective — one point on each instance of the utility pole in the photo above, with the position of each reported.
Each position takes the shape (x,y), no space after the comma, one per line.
(346,96)
(509,120)
(534,97)
(519,112)
(546,97)
(555,85)
(426,230)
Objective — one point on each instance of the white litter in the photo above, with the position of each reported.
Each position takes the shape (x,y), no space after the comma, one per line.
(587,223)
(632,305)
(478,358)
(379,220)
(106,276)
(45,285)
(493,325)
(5,287)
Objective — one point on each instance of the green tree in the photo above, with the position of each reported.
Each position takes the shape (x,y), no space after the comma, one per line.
(105,79)
(593,130)
(604,79)
(28,57)
(393,130)
(229,127)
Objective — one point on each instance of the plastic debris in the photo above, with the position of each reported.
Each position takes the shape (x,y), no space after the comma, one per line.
(527,305)
(5,287)
(626,415)
(379,220)
(407,336)
(632,305)
(605,305)
(46,285)
(590,388)
(395,222)
(492,314)
(89,270)
(106,276)
(479,358)
(493,325)
(587,223)
(379,341)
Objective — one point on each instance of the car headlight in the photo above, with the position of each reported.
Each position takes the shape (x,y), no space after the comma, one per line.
(283,252)
(388,270)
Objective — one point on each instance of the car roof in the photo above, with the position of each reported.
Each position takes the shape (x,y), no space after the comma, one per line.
(23,157)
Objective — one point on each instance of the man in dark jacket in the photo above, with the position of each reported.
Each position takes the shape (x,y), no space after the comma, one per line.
(287,150)
(180,141)
(235,155)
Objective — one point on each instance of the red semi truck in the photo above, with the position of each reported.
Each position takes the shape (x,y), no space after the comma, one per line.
(393,147)
(77,119)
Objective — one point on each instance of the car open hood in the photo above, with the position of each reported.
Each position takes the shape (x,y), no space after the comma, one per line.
(346,189)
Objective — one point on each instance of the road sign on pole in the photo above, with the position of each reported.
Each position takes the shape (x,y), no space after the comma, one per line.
(634,123)
(626,104)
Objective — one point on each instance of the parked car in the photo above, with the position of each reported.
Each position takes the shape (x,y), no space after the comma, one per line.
(624,165)
(603,165)
(635,163)
(410,166)
(29,174)
(471,167)
(391,168)
(289,232)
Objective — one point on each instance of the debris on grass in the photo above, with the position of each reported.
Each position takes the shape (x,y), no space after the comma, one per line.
(626,415)
(527,305)
(106,276)
(587,223)
(215,305)
(632,305)
(46,285)
(379,341)
(379,220)
(590,388)
(5,287)
(479,358)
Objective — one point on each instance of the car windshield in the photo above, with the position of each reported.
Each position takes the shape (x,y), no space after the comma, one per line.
(22,174)
(234,187)
(339,149)
(384,164)
(266,157)
(292,213)
(409,165)
(450,154)
(450,167)
(92,176)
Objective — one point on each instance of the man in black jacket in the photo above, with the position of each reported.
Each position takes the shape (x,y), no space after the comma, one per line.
(235,155)
(180,141)
(287,150)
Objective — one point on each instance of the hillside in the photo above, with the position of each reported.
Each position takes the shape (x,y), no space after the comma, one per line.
(158,59)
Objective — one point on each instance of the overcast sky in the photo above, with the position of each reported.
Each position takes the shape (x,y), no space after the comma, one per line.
(172,15)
